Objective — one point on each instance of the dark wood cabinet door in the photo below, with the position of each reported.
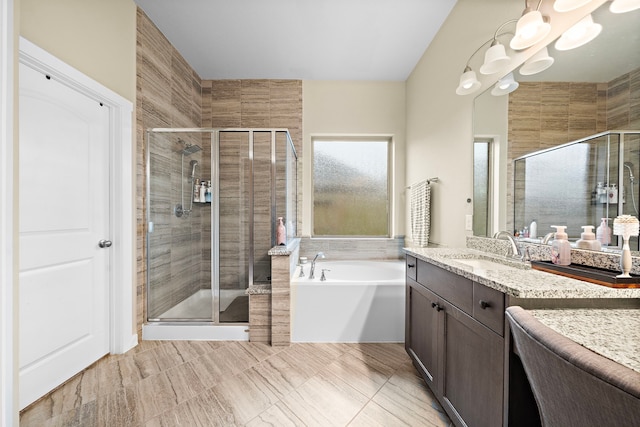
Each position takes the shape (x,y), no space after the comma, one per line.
(473,358)
(422,329)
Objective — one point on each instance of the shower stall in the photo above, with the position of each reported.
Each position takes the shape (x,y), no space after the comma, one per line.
(580,183)
(213,197)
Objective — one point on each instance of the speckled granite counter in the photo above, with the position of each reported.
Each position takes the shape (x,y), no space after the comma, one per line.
(519,282)
(614,334)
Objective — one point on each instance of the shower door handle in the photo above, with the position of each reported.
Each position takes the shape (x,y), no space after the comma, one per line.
(104,243)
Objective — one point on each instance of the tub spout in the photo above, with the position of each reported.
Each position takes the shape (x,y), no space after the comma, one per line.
(313,264)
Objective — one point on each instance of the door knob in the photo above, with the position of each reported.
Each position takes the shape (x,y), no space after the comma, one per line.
(104,243)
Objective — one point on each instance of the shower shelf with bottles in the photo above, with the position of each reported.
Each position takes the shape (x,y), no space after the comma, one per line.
(579,183)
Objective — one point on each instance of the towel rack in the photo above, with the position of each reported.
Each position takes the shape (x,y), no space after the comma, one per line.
(429,181)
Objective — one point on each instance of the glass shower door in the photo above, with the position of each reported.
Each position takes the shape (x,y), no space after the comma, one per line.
(178,234)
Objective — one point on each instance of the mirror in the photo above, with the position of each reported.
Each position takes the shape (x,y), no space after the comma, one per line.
(556,106)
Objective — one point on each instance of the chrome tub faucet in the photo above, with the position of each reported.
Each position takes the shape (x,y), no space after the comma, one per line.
(313,264)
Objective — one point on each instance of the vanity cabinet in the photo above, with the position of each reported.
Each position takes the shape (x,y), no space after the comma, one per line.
(455,337)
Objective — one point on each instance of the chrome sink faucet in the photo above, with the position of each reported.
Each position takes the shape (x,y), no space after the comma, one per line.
(515,250)
(313,264)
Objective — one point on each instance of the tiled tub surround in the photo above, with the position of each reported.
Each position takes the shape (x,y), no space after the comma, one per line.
(353,249)
(612,333)
(270,305)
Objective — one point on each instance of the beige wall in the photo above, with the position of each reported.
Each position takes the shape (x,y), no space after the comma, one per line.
(440,123)
(354,108)
(95,36)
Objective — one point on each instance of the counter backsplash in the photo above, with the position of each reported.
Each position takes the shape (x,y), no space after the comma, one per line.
(600,259)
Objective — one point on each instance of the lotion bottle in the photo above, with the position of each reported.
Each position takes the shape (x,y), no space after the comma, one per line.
(560,247)
(533,229)
(281,233)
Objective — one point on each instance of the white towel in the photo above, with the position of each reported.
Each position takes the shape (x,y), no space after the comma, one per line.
(420,213)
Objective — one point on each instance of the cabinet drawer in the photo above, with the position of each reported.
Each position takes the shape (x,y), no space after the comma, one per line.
(456,289)
(488,307)
(411,267)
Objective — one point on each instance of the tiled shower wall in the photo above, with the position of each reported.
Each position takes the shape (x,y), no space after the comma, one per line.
(171,94)
(250,104)
(168,95)
(547,114)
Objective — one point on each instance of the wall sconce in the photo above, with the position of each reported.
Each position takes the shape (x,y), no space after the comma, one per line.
(505,85)
(568,5)
(468,82)
(495,60)
(537,63)
(531,28)
(580,34)
(623,6)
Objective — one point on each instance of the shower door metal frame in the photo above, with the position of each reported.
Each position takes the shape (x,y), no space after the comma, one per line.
(215,208)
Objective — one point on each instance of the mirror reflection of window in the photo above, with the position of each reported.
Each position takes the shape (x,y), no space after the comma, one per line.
(481,187)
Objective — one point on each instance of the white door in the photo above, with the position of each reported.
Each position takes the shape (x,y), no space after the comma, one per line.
(64,213)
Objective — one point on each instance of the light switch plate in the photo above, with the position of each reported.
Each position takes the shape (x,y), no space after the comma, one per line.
(468,223)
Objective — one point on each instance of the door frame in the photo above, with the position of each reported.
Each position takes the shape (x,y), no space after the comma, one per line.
(8,293)
(122,331)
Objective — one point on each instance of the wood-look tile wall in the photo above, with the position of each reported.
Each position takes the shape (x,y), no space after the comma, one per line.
(250,104)
(547,114)
(171,94)
(168,95)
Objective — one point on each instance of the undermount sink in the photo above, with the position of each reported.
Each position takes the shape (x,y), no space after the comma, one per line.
(486,264)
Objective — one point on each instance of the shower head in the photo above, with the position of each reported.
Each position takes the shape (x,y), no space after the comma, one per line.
(629,166)
(188,148)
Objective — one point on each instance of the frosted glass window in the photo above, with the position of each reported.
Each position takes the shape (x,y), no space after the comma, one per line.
(351,188)
(481,186)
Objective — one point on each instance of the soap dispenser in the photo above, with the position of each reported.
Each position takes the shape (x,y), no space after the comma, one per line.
(560,247)
(603,232)
(588,239)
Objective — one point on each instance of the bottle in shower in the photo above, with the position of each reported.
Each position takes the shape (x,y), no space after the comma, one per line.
(281,233)
(203,192)
(208,193)
(603,232)
(196,191)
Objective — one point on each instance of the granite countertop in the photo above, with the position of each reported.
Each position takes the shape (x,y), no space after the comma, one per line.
(614,334)
(519,282)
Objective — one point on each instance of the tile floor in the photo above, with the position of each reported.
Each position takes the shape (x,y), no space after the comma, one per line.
(212,383)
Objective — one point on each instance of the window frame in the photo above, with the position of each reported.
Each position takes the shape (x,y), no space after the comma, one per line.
(389,140)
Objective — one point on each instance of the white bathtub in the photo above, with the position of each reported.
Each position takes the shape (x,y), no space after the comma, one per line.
(361,301)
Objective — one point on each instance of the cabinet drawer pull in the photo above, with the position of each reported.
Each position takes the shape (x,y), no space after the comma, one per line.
(411,265)
(436,306)
(484,304)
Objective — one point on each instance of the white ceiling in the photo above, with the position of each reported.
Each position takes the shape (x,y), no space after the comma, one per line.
(300,39)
